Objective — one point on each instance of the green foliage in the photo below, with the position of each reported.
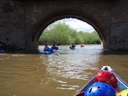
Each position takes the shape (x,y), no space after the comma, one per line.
(62,34)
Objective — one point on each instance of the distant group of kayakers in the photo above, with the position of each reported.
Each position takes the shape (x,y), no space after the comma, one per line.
(73,46)
(50,49)
(54,48)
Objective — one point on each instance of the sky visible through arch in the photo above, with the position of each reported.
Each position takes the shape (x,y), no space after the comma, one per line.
(75,24)
(79,25)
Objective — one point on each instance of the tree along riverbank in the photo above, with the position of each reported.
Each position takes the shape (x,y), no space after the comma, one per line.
(62,34)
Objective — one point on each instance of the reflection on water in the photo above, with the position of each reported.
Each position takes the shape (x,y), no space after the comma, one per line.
(55,75)
(73,64)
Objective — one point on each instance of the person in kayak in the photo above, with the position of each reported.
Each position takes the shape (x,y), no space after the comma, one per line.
(47,49)
(54,47)
(82,45)
(72,46)
(107,77)
(99,89)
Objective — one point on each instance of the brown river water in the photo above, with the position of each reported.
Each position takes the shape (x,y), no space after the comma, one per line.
(58,74)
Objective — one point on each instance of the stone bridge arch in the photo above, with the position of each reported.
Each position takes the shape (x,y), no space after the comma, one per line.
(42,24)
(21,21)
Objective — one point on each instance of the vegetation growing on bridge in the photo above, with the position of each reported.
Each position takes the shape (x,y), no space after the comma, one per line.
(62,34)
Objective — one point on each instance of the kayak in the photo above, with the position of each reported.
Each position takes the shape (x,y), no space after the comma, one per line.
(46,52)
(49,52)
(121,85)
(2,50)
